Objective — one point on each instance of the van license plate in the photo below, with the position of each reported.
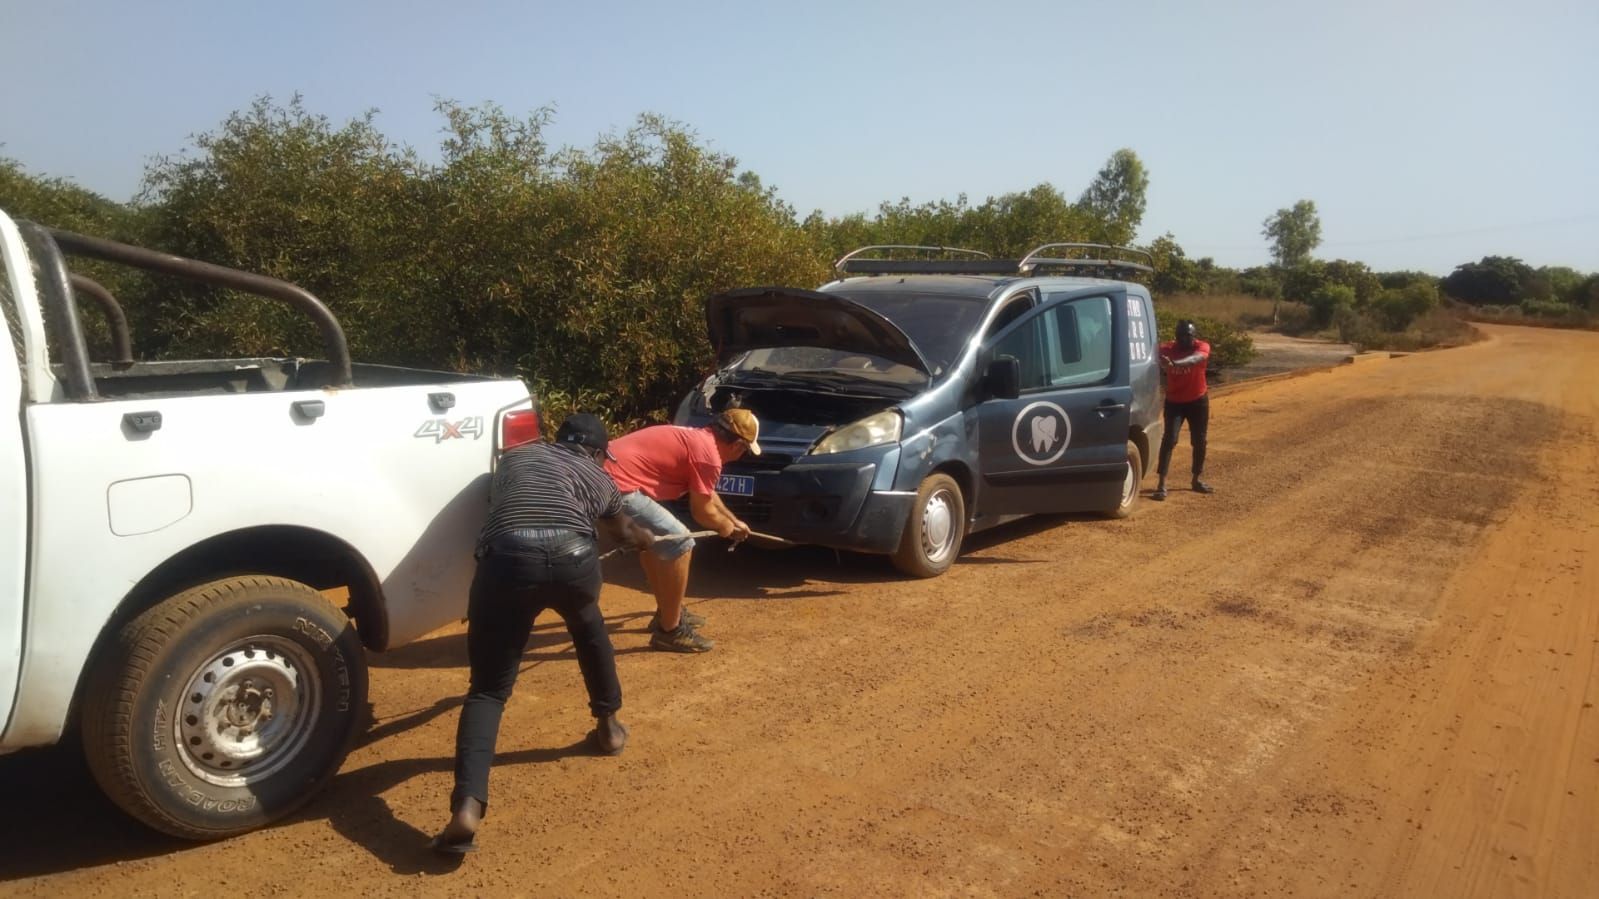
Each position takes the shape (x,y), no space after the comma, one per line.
(736,485)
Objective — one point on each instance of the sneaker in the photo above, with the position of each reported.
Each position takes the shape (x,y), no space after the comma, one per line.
(1202,487)
(1159,495)
(684,617)
(683,638)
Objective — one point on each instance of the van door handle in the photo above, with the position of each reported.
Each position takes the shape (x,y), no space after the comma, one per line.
(1107,407)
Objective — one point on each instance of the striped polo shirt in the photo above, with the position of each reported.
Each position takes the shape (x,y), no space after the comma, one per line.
(541,485)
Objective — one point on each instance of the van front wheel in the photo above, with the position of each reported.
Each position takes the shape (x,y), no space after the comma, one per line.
(932,537)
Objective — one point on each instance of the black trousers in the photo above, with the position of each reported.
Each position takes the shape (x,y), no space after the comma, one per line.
(1197,414)
(520,575)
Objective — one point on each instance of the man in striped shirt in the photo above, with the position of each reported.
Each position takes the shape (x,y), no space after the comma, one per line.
(537,551)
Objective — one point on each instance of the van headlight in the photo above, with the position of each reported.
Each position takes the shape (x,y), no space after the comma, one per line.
(873,430)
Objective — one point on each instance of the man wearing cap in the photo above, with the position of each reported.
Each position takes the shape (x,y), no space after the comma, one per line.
(537,551)
(662,463)
(1187,399)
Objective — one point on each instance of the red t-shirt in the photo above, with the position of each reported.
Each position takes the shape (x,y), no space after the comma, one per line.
(1185,386)
(665,462)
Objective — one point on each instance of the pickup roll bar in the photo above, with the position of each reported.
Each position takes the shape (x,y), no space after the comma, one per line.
(121,339)
(219,276)
(55,284)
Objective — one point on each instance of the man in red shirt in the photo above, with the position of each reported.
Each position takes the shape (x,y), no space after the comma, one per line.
(662,463)
(1187,399)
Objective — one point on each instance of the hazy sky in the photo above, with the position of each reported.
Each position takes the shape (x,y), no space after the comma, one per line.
(1427,133)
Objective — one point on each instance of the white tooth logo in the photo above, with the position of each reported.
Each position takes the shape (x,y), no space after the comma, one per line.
(1044,428)
(1041,433)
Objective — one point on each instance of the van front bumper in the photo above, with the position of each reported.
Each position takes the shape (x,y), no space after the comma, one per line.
(827,504)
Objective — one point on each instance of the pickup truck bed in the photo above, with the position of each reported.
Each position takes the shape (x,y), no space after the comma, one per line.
(166,527)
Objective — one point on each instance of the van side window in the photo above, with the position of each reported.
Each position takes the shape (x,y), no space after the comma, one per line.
(1026,346)
(1016,308)
(1079,336)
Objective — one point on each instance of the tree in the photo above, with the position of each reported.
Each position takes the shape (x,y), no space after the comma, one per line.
(1174,271)
(1586,294)
(1559,282)
(1496,281)
(1356,275)
(1261,281)
(1116,198)
(1014,223)
(1294,233)
(1328,301)
(58,203)
(1396,280)
(1302,281)
(1397,307)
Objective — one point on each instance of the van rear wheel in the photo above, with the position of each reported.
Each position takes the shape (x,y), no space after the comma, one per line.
(225,707)
(932,537)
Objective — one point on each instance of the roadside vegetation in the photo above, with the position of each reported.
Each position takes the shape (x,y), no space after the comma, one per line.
(585,269)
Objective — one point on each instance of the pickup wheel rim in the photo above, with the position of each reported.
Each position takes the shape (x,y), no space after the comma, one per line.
(938,525)
(1129,484)
(248,711)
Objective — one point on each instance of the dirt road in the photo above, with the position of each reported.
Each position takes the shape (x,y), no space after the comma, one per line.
(1365,667)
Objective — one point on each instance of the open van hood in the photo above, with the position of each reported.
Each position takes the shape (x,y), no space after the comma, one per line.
(755,318)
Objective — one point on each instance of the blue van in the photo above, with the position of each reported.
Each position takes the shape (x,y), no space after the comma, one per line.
(916,400)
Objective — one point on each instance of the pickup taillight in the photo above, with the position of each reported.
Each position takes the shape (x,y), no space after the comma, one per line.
(519,427)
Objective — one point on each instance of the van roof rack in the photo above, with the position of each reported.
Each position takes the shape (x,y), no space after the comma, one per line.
(1030,264)
(848,262)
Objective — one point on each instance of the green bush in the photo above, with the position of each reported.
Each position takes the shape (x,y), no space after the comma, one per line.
(1396,308)
(1261,282)
(1229,346)
(1357,328)
(1327,301)
(585,271)
(1547,309)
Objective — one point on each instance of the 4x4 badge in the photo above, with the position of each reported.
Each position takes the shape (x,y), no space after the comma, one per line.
(441,430)
(1041,433)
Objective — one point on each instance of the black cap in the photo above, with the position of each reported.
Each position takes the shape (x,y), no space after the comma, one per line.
(1187,329)
(585,430)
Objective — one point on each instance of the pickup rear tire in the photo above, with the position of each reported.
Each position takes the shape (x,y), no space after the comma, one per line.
(1131,478)
(932,537)
(225,707)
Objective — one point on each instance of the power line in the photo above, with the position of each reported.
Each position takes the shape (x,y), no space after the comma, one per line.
(1466,232)
(1411,238)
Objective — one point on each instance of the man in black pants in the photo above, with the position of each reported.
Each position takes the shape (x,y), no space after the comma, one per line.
(1187,399)
(538,551)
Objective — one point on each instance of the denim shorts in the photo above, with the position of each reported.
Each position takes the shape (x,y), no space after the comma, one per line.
(656,519)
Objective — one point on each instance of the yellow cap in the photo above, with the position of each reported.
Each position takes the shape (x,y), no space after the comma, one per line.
(743,424)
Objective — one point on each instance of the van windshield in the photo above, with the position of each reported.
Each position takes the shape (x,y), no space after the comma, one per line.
(939,324)
(828,369)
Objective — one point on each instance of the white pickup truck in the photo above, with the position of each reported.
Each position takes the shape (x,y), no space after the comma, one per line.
(167,530)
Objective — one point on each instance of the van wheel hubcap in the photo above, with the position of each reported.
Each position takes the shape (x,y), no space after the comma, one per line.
(938,526)
(1129,485)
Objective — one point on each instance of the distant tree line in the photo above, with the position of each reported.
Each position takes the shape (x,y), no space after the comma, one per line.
(585,270)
